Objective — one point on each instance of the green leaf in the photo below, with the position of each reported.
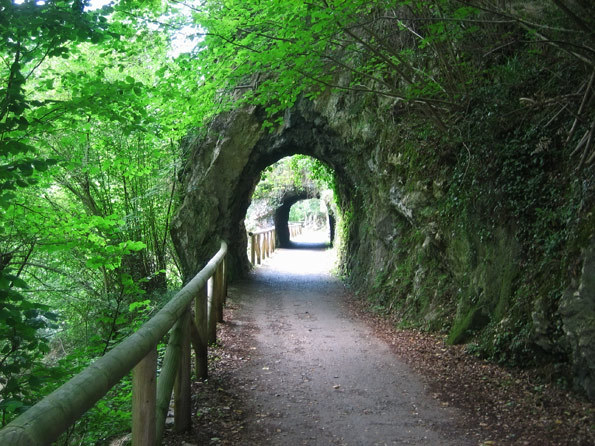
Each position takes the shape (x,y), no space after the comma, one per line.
(10,405)
(139,305)
(19,283)
(15,147)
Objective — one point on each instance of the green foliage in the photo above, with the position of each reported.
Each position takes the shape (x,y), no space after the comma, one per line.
(31,33)
(287,48)
(306,168)
(87,159)
(275,179)
(22,345)
(297,172)
(108,419)
(307,210)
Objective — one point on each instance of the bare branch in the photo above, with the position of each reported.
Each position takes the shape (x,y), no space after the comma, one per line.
(582,106)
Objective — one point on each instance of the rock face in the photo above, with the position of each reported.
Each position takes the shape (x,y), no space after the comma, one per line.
(407,243)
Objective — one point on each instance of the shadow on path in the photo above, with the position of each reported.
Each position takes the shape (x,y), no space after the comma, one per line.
(309,245)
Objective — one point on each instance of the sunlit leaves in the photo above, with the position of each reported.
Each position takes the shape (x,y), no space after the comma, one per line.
(83,168)
(270,53)
(296,172)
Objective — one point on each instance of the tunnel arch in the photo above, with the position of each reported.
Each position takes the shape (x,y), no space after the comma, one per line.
(279,190)
(224,168)
(281,217)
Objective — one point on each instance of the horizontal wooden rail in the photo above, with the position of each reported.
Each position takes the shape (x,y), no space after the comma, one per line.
(262,245)
(52,416)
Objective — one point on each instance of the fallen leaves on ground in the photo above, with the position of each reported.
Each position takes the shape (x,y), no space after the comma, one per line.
(498,406)
(218,406)
(506,406)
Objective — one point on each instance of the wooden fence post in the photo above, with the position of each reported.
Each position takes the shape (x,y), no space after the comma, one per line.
(224,263)
(212,313)
(167,378)
(252,249)
(274,239)
(182,403)
(201,307)
(270,243)
(218,291)
(144,393)
(260,248)
(262,245)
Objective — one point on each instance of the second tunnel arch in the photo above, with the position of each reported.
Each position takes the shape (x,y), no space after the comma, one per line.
(325,218)
(281,218)
(284,188)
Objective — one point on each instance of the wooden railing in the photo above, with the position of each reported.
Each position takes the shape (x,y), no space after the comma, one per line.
(295,229)
(52,416)
(262,245)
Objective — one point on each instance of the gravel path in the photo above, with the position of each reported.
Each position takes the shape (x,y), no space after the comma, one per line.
(315,376)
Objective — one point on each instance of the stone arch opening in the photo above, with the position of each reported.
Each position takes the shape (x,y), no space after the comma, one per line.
(393,180)
(315,216)
(224,168)
(281,219)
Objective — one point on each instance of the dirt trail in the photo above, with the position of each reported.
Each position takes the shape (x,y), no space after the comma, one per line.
(315,376)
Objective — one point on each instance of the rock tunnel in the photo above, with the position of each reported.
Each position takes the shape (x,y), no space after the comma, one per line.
(225,168)
(392,190)
(282,212)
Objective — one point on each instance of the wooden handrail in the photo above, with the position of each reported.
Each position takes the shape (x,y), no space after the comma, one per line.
(262,244)
(262,231)
(46,420)
(295,229)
